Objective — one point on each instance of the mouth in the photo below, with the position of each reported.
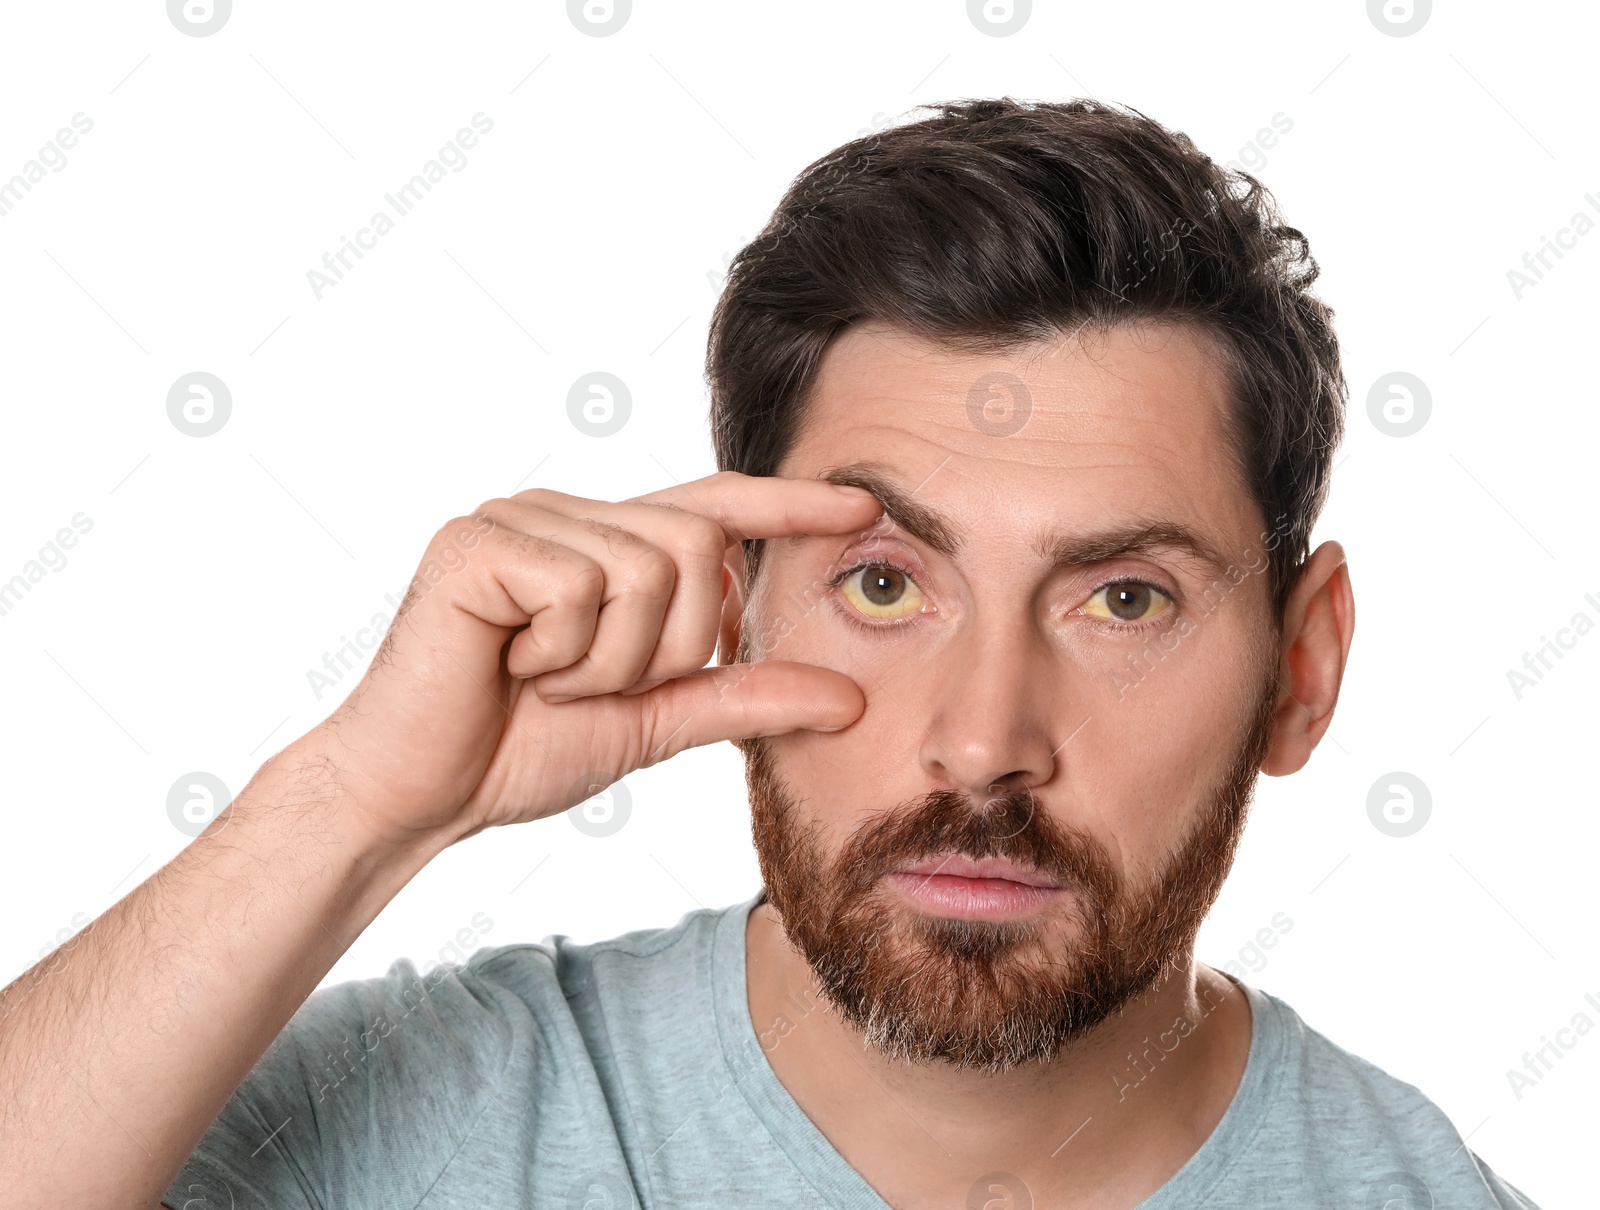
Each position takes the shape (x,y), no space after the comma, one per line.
(970,888)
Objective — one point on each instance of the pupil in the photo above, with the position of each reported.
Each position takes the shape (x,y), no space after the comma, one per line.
(882,585)
(1129,601)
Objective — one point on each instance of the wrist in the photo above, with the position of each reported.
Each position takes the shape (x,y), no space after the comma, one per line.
(299,814)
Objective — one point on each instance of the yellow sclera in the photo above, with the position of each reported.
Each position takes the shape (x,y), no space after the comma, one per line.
(908,598)
(1099,606)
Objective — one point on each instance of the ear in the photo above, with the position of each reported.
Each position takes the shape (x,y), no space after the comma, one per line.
(1318,622)
(732,622)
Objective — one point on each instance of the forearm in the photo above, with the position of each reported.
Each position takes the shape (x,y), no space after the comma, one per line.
(115,1055)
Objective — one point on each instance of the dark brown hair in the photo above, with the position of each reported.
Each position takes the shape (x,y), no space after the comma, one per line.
(996,223)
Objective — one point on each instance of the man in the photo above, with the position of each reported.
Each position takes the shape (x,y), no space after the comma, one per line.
(1025,414)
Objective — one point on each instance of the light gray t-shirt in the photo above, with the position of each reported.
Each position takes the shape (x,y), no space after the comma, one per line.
(628,1073)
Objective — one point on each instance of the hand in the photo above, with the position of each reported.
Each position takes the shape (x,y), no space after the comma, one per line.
(549,645)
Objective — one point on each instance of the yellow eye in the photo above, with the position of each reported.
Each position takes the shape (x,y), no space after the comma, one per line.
(1126,601)
(880,591)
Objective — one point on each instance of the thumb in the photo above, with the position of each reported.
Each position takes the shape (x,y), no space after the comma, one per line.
(741,701)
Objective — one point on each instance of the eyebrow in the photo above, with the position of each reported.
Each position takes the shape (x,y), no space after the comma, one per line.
(936,532)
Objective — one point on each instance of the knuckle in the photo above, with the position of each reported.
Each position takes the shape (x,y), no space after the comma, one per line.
(494,505)
(559,648)
(467,523)
(652,573)
(580,584)
(539,497)
(453,547)
(469,529)
(620,543)
(703,538)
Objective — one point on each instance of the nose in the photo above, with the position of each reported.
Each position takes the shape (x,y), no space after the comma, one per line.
(991,714)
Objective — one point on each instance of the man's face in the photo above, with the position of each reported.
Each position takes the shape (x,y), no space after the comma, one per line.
(1069,676)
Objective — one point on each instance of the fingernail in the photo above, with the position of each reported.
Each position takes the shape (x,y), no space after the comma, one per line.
(852,490)
(556,701)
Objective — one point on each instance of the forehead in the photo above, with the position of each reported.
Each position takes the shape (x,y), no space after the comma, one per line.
(1129,421)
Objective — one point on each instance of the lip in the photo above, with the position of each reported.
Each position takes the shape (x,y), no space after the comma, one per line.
(989,888)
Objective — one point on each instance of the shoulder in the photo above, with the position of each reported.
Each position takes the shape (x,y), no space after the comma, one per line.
(505,1012)
(1348,1121)
(504,997)
(520,1048)
(1339,1078)
(576,1005)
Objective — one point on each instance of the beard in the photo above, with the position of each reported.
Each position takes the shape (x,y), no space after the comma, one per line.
(990,995)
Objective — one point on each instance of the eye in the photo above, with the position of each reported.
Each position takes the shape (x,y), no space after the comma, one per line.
(1126,601)
(879,590)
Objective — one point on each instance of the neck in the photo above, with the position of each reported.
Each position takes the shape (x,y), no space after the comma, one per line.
(1105,1123)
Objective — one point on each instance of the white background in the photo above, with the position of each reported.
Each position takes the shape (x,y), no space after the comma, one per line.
(587,232)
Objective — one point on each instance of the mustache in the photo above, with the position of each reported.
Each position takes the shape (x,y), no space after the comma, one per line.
(1013,825)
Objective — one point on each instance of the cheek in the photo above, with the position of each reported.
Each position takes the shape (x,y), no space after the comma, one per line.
(1162,740)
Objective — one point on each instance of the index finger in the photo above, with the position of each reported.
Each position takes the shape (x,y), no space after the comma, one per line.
(769,506)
